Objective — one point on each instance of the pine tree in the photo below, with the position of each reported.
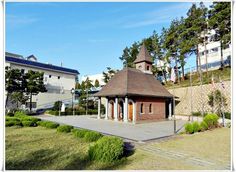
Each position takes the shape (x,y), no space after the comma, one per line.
(220,20)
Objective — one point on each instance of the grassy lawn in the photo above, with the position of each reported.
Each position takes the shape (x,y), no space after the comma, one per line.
(206,79)
(41,148)
(213,146)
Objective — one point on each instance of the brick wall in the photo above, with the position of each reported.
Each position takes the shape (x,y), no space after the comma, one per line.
(158,108)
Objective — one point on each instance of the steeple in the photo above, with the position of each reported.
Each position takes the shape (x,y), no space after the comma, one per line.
(143,61)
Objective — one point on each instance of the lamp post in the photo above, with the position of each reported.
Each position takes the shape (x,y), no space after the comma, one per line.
(72,93)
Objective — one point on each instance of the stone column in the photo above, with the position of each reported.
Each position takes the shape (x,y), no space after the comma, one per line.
(107,108)
(116,109)
(126,110)
(170,111)
(134,113)
(99,108)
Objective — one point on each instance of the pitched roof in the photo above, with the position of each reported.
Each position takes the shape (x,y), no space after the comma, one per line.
(40,65)
(143,55)
(133,82)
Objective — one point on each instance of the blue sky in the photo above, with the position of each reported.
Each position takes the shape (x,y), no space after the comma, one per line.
(83,35)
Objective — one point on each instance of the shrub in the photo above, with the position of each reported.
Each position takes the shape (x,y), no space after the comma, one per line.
(79,132)
(107,149)
(10,114)
(29,118)
(189,128)
(203,126)
(29,124)
(211,120)
(92,136)
(196,113)
(20,114)
(227,115)
(12,119)
(9,123)
(48,124)
(196,127)
(64,128)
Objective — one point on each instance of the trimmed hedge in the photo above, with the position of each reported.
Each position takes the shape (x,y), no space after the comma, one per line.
(196,127)
(107,149)
(13,123)
(227,115)
(92,136)
(48,124)
(189,128)
(64,128)
(80,133)
(29,124)
(70,112)
(10,114)
(203,126)
(211,120)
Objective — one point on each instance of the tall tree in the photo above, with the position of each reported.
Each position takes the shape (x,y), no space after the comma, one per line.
(14,82)
(195,23)
(34,84)
(220,20)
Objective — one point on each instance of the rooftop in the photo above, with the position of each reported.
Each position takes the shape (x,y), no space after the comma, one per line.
(18,59)
(133,82)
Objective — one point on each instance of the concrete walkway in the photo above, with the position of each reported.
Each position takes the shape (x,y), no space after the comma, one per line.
(133,132)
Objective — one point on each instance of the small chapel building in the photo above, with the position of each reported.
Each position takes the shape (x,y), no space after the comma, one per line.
(134,94)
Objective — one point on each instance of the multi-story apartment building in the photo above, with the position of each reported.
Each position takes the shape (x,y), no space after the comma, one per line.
(58,80)
(210,53)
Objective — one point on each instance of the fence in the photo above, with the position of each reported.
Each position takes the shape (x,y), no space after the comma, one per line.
(202,92)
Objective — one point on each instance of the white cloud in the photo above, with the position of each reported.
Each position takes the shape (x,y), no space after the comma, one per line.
(14,20)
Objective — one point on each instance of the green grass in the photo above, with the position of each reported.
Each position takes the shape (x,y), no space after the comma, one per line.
(45,149)
(225,75)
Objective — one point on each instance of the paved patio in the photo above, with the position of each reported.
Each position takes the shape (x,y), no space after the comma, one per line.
(134,132)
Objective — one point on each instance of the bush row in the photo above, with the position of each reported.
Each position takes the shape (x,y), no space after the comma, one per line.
(19,118)
(209,121)
(70,112)
(87,135)
(105,148)
(227,114)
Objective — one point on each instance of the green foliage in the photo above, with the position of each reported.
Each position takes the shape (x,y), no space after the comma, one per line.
(92,136)
(189,128)
(19,113)
(48,124)
(227,115)
(196,127)
(64,128)
(10,123)
(211,120)
(203,126)
(107,149)
(96,84)
(109,74)
(29,124)
(12,118)
(80,133)
(217,100)
(10,114)
(57,105)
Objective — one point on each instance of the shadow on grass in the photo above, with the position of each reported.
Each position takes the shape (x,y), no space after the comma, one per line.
(35,160)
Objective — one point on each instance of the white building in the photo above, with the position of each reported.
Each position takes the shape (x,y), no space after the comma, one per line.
(95,77)
(212,55)
(58,80)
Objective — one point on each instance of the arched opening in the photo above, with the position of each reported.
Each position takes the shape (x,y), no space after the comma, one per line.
(121,110)
(111,109)
(150,108)
(130,111)
(141,108)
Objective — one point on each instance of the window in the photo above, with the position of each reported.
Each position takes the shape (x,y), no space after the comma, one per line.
(150,108)
(22,71)
(141,108)
(58,77)
(147,67)
(50,76)
(214,50)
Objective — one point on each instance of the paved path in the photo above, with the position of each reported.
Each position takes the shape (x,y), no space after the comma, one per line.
(186,158)
(133,132)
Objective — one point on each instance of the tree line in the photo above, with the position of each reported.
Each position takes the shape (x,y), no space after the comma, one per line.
(183,37)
